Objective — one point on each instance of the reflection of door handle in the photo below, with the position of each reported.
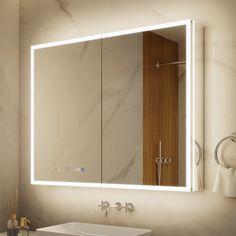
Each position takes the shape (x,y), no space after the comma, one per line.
(163,160)
(167,160)
(159,161)
(159,169)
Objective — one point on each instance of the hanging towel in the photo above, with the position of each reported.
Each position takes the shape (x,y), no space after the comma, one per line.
(198,179)
(225,182)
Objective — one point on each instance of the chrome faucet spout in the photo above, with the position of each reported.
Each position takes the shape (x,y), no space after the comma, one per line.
(117,206)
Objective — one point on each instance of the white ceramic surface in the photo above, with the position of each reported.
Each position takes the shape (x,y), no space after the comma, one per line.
(85,229)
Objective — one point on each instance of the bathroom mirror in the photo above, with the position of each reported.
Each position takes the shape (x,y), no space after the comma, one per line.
(67,114)
(119,110)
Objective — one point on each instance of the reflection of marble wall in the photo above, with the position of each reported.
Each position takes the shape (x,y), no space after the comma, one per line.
(68,112)
(9,103)
(122,119)
(167,213)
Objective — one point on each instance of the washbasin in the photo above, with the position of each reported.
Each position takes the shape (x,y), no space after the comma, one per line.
(86,229)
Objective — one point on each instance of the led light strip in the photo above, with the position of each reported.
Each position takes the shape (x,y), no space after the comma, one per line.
(193,164)
(188,104)
(67,42)
(32,115)
(189,143)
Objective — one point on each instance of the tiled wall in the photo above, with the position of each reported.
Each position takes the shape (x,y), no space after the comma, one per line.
(9,104)
(167,213)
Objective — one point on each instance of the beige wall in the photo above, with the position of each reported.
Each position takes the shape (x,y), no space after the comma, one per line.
(9,103)
(171,214)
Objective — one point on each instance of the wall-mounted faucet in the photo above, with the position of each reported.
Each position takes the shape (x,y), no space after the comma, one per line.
(129,207)
(105,206)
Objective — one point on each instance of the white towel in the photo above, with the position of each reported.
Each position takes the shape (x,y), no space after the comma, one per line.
(225,182)
(198,178)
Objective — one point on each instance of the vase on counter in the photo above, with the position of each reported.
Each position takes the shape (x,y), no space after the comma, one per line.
(12,226)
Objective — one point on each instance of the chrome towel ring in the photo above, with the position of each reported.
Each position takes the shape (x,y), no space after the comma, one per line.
(232,137)
(199,152)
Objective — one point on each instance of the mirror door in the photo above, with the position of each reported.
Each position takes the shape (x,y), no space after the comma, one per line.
(143,108)
(67,112)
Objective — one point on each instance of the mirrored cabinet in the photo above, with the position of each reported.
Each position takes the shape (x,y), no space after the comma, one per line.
(67,112)
(119,110)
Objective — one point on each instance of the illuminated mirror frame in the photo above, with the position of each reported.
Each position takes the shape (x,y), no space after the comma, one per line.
(190,60)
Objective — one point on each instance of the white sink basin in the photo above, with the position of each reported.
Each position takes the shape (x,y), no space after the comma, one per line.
(84,229)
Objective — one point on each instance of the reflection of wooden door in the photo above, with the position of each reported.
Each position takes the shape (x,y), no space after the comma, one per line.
(160,100)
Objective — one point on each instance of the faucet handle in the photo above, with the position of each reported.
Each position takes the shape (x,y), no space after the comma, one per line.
(118,206)
(104,205)
(129,207)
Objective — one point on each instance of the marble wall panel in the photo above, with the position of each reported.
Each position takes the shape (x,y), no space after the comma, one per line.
(122,113)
